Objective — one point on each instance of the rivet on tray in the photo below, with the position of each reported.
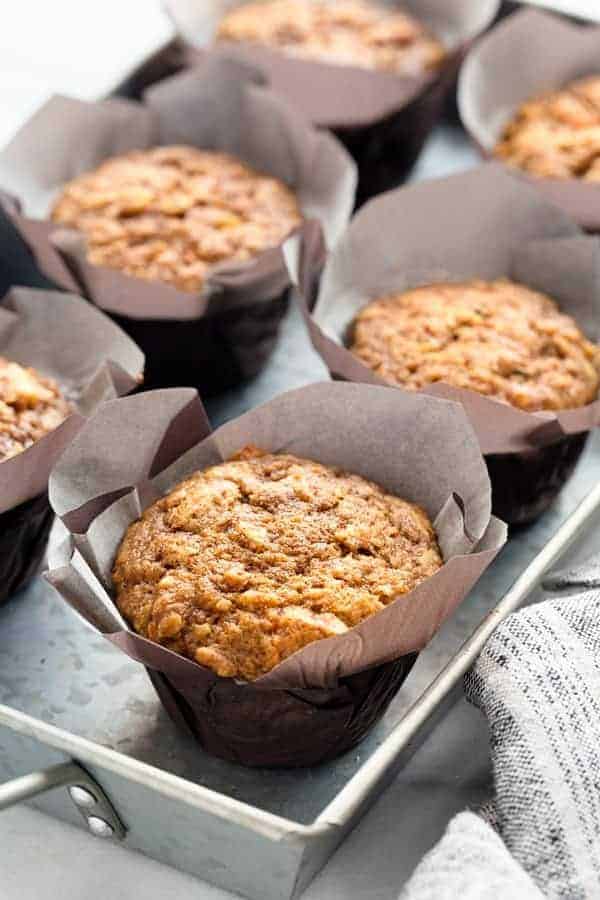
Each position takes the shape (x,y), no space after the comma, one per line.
(99,827)
(81,797)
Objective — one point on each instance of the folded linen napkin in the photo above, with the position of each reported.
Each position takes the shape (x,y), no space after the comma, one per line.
(471,863)
(537,681)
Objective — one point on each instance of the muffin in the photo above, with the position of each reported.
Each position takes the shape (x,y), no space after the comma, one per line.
(278,603)
(497,338)
(91,361)
(501,340)
(31,405)
(180,239)
(556,135)
(377,73)
(525,373)
(244,563)
(341,32)
(174,213)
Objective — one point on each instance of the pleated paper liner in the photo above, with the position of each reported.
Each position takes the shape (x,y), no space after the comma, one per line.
(281,729)
(526,484)
(323,699)
(483,224)
(93,361)
(527,54)
(382,118)
(223,334)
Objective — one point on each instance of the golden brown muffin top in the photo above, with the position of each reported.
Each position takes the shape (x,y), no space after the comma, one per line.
(344,32)
(173,213)
(498,338)
(246,562)
(557,135)
(31,405)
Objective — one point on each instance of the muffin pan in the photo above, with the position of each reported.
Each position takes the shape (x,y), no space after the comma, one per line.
(283,824)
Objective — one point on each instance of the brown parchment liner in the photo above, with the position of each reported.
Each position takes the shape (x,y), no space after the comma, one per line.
(482,224)
(529,53)
(220,106)
(330,95)
(324,698)
(92,361)
(382,118)
(24,533)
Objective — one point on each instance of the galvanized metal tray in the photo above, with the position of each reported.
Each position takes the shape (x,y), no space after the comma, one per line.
(67,696)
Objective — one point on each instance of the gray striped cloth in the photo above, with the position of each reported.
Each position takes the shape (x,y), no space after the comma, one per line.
(538,683)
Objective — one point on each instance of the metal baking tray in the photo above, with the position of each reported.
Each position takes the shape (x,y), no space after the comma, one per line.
(69,699)
(67,694)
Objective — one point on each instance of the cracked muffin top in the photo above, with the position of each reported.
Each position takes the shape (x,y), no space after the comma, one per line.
(171,214)
(246,562)
(497,338)
(557,135)
(31,405)
(344,32)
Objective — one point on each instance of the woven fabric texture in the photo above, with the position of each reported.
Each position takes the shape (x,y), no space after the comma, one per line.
(537,682)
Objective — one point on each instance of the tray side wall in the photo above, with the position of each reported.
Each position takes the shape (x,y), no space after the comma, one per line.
(225,854)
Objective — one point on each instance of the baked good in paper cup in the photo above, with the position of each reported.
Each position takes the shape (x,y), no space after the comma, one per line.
(280,574)
(169,213)
(376,76)
(529,95)
(59,360)
(478,289)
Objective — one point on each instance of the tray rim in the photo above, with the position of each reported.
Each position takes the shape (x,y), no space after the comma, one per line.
(267,824)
